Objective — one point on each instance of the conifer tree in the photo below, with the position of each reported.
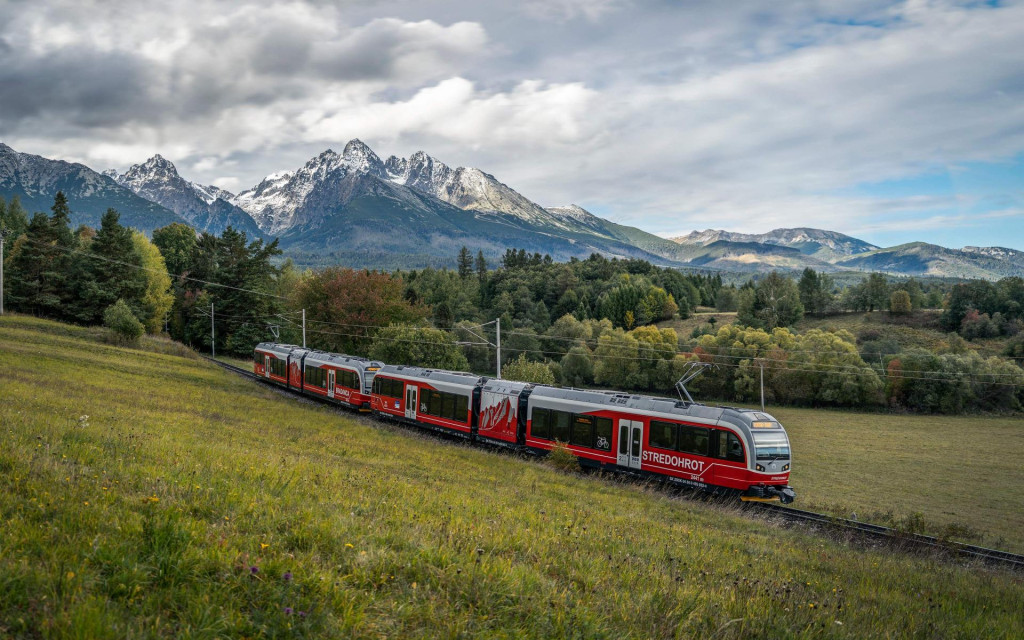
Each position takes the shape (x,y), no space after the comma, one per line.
(465,263)
(110,269)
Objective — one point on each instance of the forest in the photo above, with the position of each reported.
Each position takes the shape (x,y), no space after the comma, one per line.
(596,322)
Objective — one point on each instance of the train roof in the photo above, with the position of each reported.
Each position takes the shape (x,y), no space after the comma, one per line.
(507,387)
(681,408)
(357,362)
(279,348)
(421,373)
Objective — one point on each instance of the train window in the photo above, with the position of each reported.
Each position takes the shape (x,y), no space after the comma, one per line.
(540,427)
(278,367)
(448,406)
(560,423)
(582,431)
(693,440)
(663,434)
(729,447)
(603,434)
(461,408)
(388,387)
(434,403)
(315,377)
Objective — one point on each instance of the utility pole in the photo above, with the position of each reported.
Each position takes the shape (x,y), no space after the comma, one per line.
(499,348)
(3,236)
(303,328)
(761,362)
(213,335)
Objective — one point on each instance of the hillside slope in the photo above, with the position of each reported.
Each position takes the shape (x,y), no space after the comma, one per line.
(217,507)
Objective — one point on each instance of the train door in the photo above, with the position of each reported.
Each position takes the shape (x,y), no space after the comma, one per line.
(410,401)
(631,439)
(266,366)
(330,383)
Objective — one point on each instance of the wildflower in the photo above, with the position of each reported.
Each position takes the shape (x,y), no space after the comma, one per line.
(288,611)
(349,545)
(87,503)
(287,576)
(302,614)
(263,546)
(254,570)
(838,622)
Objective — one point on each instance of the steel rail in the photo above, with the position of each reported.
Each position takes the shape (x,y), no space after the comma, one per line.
(889,535)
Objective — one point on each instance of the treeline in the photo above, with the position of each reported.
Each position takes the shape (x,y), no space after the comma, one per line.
(76,276)
(79,276)
(587,322)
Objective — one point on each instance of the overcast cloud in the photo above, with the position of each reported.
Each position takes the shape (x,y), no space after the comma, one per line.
(737,115)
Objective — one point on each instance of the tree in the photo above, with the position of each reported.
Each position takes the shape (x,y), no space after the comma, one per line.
(125,327)
(727,299)
(522,370)
(815,291)
(345,307)
(158,299)
(578,367)
(774,302)
(481,267)
(899,302)
(419,346)
(876,291)
(177,244)
(40,263)
(110,270)
(13,218)
(465,263)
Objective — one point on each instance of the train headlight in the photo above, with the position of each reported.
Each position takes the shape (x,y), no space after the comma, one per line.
(759,467)
(785,467)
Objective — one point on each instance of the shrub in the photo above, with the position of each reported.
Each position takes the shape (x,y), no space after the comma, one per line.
(563,459)
(124,326)
(899,302)
(522,370)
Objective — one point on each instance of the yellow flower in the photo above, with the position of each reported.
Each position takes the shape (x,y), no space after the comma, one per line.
(349,545)
(263,545)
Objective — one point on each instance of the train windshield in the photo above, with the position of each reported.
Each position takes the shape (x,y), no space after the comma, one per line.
(771,446)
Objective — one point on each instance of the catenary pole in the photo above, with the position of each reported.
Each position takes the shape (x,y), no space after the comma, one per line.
(3,236)
(499,348)
(762,384)
(213,335)
(303,328)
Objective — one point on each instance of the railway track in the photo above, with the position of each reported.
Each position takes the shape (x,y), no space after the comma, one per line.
(888,535)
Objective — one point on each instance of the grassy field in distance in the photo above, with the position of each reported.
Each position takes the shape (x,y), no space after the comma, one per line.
(962,474)
(194,503)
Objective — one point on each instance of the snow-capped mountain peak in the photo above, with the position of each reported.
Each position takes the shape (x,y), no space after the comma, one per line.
(205,207)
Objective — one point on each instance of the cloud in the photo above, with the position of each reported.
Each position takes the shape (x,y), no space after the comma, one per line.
(739,115)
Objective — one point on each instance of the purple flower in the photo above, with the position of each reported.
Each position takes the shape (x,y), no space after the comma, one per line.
(254,570)
(302,614)
(288,611)
(287,576)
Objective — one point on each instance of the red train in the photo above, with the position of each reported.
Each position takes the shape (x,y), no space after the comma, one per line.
(718,449)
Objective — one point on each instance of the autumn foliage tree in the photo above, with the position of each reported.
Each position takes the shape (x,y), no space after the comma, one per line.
(345,307)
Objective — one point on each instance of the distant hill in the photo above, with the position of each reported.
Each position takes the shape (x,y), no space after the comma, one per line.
(923,259)
(36,180)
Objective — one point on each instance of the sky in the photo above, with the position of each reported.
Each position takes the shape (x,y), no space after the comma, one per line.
(889,121)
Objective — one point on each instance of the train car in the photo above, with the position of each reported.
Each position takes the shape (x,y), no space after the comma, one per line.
(438,400)
(340,378)
(279,363)
(711,448)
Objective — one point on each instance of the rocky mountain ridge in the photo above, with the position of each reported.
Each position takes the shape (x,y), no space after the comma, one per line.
(204,207)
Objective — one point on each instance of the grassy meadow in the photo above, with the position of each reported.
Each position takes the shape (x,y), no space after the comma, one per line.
(147,493)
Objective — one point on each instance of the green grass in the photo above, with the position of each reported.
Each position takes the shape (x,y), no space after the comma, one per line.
(961,474)
(146,519)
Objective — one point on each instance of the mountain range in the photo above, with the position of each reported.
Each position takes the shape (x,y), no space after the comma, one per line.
(355,208)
